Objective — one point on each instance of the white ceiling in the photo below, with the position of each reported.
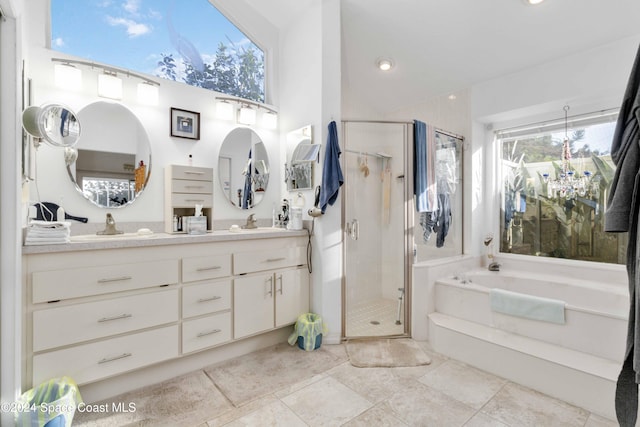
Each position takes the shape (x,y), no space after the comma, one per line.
(440,46)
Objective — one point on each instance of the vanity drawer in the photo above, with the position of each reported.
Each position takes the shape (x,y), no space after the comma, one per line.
(191,186)
(180,200)
(80,282)
(206,332)
(248,262)
(206,298)
(90,362)
(71,324)
(191,173)
(206,267)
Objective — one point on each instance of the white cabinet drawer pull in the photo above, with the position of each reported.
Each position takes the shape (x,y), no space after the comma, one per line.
(194,173)
(275,259)
(115,279)
(211,332)
(270,292)
(108,319)
(279,278)
(208,299)
(194,200)
(111,359)
(194,186)
(215,267)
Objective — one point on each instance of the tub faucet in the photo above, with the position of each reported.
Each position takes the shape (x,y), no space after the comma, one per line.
(494,266)
(251,222)
(110,227)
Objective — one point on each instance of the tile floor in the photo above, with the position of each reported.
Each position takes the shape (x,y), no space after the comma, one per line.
(382,312)
(444,393)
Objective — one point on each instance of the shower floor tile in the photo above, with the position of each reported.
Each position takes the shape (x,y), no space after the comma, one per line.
(374,319)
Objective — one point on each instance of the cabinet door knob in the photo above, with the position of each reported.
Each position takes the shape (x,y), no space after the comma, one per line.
(270,292)
(280,280)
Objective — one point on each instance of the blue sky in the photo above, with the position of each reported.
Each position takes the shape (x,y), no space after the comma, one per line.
(133,33)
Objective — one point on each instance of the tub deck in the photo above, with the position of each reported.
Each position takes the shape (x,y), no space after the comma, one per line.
(578,361)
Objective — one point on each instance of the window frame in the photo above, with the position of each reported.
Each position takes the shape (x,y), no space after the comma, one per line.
(531,129)
(269,64)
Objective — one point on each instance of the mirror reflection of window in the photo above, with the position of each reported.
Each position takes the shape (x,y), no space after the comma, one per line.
(299,167)
(114,146)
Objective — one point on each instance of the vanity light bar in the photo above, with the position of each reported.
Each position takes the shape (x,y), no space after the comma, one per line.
(106,68)
(246,114)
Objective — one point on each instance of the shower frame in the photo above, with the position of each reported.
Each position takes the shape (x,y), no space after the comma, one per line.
(408,227)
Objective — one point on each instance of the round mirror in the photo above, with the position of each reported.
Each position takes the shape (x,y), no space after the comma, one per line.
(243,168)
(111,163)
(54,123)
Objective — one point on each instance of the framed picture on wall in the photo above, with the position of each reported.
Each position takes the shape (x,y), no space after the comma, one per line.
(185,124)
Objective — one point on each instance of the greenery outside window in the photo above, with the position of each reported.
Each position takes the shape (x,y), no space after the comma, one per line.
(537,220)
(187,41)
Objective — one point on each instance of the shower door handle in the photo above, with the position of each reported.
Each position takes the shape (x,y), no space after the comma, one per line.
(353,229)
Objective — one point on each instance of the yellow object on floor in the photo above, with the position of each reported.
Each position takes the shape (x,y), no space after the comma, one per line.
(307,332)
(42,405)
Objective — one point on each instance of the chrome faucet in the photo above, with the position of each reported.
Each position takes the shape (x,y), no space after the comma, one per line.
(251,222)
(494,266)
(110,227)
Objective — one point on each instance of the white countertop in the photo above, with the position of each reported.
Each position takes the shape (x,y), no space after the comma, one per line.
(133,240)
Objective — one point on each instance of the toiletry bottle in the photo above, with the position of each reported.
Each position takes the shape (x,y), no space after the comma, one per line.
(175,223)
(274,216)
(190,161)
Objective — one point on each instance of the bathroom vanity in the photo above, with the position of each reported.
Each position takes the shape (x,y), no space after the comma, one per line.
(100,307)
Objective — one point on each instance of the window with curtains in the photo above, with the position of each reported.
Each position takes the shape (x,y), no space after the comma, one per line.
(555,183)
(185,41)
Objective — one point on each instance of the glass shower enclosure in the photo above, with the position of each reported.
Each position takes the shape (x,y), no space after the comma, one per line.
(376,212)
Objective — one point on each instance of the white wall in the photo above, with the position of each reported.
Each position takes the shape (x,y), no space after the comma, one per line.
(10,196)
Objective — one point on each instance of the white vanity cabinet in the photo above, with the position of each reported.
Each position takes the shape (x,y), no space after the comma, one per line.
(96,311)
(206,306)
(272,290)
(185,187)
(107,317)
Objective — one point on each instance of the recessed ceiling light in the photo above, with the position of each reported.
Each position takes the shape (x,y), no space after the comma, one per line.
(533,1)
(385,64)
(452,97)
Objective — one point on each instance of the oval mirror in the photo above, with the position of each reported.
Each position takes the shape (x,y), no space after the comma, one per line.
(54,123)
(243,168)
(111,163)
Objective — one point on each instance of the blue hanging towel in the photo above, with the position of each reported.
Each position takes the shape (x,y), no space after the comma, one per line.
(247,193)
(424,184)
(332,177)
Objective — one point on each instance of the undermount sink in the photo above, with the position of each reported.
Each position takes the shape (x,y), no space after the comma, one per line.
(103,237)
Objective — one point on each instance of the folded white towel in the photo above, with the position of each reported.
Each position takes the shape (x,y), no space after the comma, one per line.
(43,241)
(48,225)
(47,233)
(528,306)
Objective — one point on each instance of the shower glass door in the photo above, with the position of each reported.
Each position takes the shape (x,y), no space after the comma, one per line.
(375,290)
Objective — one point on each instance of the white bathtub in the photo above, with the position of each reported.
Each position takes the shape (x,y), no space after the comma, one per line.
(577,361)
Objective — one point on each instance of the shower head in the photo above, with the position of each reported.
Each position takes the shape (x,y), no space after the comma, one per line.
(487,240)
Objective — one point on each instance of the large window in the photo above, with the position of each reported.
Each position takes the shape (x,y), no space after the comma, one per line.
(188,41)
(543,214)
